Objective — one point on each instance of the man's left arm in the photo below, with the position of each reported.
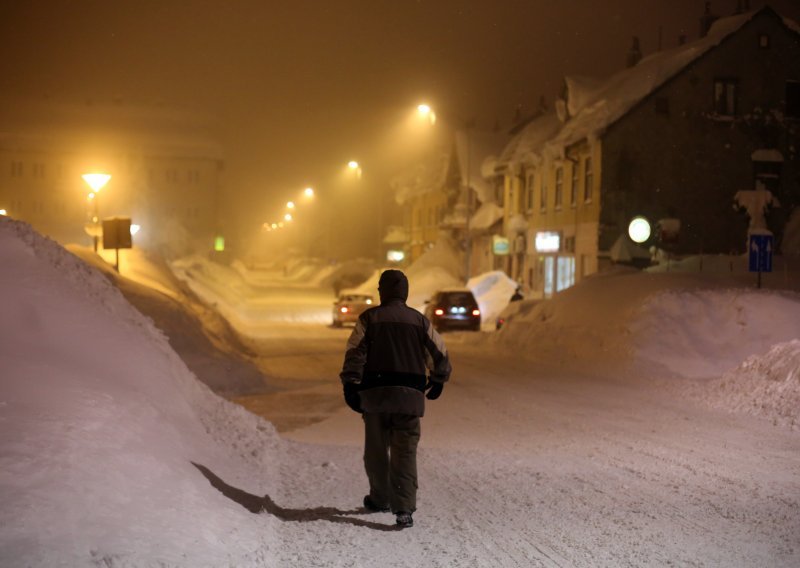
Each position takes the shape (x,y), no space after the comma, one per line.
(355,358)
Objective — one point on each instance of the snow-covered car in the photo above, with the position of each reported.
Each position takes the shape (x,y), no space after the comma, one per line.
(454,309)
(349,306)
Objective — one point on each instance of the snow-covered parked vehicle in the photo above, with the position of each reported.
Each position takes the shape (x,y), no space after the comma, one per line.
(349,306)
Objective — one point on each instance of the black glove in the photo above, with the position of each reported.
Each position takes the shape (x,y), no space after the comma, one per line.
(434,389)
(351,397)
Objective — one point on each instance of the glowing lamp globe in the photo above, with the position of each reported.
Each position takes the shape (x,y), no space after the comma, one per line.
(639,229)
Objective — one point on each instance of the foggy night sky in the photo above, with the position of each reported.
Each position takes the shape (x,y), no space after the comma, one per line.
(298,88)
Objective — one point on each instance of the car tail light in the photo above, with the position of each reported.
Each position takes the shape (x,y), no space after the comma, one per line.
(344,309)
(438,312)
(476,312)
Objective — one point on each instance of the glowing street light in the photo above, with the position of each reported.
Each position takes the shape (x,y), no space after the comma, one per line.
(308,192)
(96,181)
(639,229)
(3,212)
(355,167)
(426,111)
(290,205)
(287,217)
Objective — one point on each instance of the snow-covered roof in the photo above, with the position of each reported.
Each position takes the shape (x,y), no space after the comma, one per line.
(487,215)
(425,176)
(526,145)
(482,145)
(592,106)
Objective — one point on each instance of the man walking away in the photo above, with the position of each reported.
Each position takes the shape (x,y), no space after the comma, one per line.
(388,356)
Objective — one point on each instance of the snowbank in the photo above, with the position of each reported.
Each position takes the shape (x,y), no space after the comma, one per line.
(765,385)
(259,296)
(102,423)
(672,324)
(703,333)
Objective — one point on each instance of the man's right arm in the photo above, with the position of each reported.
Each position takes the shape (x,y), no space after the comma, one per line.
(355,356)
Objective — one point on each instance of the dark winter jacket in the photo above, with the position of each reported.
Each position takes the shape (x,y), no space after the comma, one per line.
(391,350)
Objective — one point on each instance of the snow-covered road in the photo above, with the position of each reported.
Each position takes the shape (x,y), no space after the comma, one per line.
(523,466)
(564,447)
(525,462)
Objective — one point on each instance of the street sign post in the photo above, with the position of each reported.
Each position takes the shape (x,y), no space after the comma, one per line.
(760,250)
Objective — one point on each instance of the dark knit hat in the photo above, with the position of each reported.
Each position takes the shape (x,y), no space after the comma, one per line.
(393,285)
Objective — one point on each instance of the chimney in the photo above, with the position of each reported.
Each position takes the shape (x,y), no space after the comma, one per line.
(542,104)
(635,54)
(739,8)
(706,21)
(682,39)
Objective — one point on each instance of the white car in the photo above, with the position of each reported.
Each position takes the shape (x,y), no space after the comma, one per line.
(349,306)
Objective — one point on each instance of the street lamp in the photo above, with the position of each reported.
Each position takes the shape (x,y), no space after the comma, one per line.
(96,182)
(639,229)
(426,112)
(308,192)
(355,167)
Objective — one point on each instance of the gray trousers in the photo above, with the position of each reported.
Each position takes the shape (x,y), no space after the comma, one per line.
(390,458)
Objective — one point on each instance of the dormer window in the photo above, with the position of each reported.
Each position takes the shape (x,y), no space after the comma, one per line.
(725,93)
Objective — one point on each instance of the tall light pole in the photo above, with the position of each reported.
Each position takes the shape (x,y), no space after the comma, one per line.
(96,182)
(428,114)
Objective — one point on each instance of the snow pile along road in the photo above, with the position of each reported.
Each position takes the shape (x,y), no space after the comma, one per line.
(705,332)
(102,424)
(693,326)
(765,385)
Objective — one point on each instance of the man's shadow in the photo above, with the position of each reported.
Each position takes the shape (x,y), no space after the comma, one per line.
(256,504)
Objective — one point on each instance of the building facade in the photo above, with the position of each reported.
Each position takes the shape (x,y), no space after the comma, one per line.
(671,138)
(164,176)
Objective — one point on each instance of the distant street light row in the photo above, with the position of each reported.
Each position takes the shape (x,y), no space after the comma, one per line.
(308,194)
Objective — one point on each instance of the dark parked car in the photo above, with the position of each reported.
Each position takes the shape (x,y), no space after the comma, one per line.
(454,309)
(349,306)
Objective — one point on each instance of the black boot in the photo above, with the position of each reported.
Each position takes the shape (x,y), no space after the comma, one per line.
(404,520)
(373,507)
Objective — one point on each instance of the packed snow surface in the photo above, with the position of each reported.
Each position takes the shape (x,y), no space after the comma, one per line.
(566,439)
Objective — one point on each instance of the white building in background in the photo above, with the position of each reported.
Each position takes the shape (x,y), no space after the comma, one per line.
(165,165)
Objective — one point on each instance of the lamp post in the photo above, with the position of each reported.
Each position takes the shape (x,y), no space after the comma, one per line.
(96,181)
(426,112)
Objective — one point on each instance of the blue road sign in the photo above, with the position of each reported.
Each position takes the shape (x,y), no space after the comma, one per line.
(760,253)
